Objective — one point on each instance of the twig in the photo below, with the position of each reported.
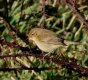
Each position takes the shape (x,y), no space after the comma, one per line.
(64,62)
(74,9)
(42,20)
(25,68)
(12,31)
(21,11)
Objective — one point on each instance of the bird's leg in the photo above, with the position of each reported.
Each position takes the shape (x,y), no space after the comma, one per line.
(49,54)
(61,50)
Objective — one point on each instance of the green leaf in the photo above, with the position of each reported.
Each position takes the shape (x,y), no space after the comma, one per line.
(8,38)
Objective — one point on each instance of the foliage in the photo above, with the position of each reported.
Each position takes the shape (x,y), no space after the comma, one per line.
(24,15)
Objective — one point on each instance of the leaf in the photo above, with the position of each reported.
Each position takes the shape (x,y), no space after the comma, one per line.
(8,38)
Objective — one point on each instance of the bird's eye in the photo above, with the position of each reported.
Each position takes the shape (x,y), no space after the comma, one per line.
(32,34)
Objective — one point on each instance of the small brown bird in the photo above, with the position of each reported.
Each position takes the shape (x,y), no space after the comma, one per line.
(46,40)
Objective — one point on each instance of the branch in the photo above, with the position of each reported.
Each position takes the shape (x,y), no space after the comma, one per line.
(11,30)
(25,68)
(64,62)
(74,9)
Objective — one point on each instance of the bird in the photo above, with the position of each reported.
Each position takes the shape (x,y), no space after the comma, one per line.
(46,40)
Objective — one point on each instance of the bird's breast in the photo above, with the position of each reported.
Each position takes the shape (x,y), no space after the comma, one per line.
(45,46)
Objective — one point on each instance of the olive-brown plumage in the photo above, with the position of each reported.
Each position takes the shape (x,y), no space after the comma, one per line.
(46,40)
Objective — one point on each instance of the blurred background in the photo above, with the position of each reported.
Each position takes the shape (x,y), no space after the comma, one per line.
(18,17)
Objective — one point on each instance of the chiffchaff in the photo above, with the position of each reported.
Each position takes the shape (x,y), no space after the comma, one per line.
(46,40)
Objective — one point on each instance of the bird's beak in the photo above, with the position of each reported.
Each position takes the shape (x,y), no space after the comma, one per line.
(32,42)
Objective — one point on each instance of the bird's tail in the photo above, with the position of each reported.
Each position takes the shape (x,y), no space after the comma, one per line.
(70,42)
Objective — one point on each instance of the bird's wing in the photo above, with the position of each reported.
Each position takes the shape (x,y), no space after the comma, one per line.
(52,39)
(49,37)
